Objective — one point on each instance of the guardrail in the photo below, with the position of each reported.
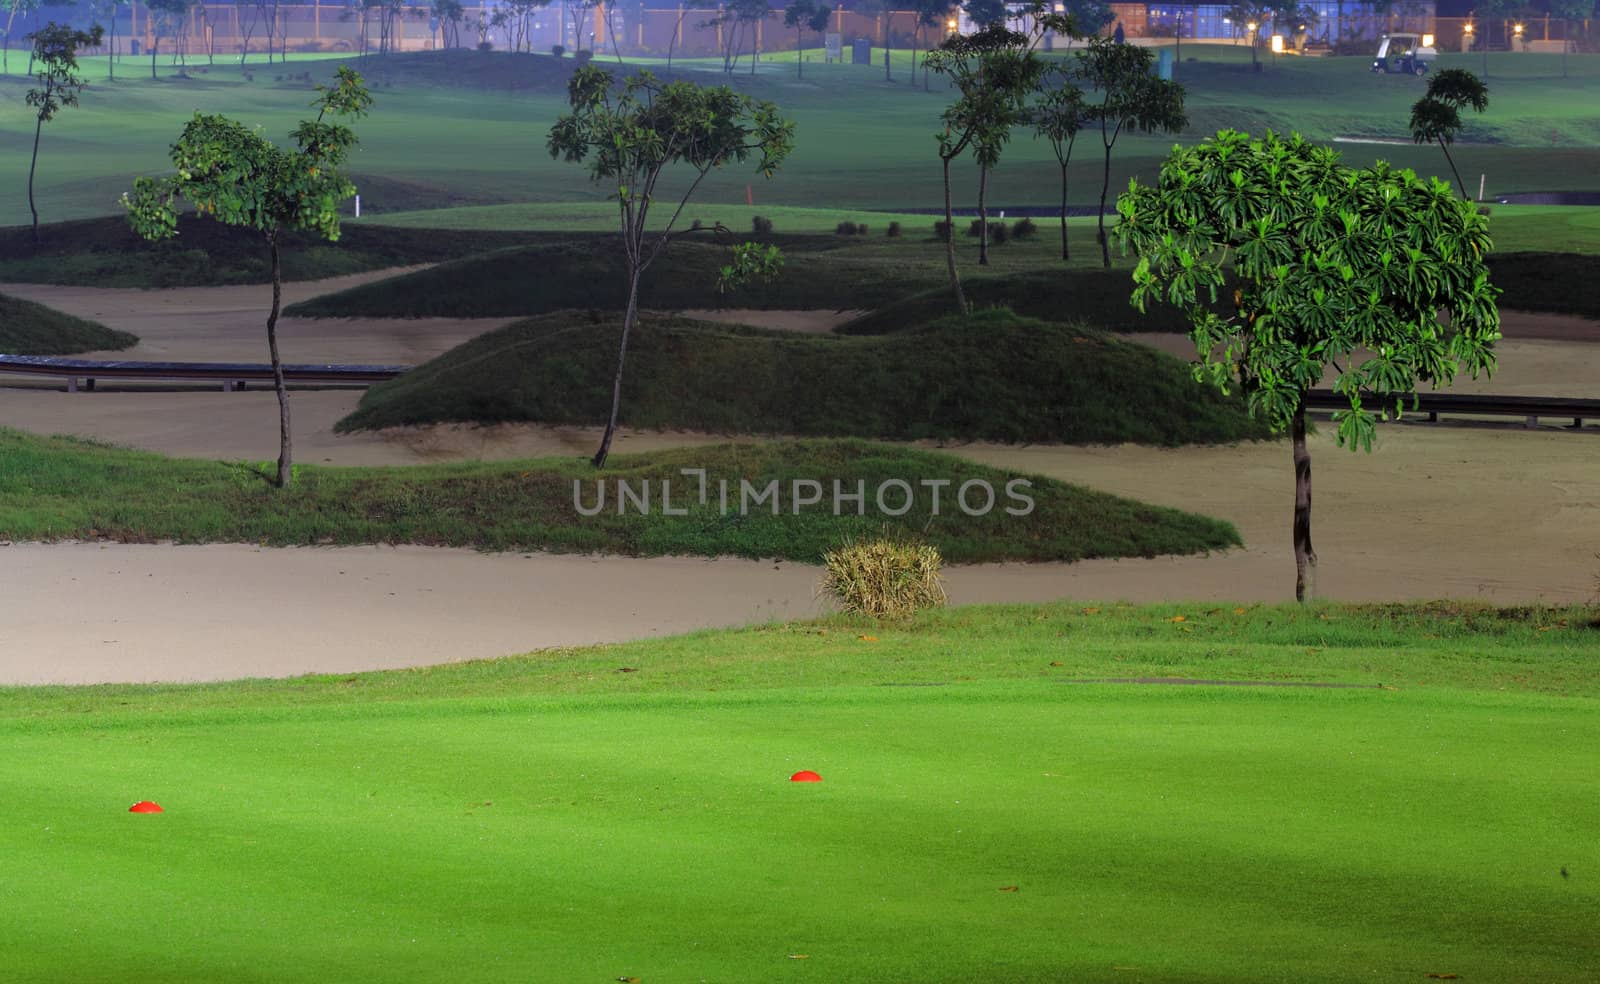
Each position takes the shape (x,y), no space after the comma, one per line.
(1530,408)
(231,375)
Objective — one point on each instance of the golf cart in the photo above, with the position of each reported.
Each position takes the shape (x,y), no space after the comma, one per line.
(1404,54)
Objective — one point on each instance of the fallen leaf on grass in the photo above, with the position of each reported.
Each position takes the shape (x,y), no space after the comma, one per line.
(1091,611)
(1008,888)
(1445,977)
(799,956)
(1056,662)
(1238,611)
(867,638)
(629,980)
(1179,618)
(627,669)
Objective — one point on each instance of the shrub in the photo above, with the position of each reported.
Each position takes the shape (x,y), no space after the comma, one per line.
(894,230)
(884,578)
(941,231)
(845,229)
(584,56)
(862,229)
(485,45)
(975,228)
(760,225)
(1025,229)
(558,50)
(697,224)
(998,233)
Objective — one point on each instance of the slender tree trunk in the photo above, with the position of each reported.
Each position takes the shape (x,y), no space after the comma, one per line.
(1305,556)
(38,125)
(950,243)
(285,443)
(799,56)
(111,60)
(1065,253)
(1105,187)
(628,318)
(1459,183)
(153,49)
(983,216)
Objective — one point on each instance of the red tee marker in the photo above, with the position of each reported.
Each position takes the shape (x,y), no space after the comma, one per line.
(145,806)
(805,775)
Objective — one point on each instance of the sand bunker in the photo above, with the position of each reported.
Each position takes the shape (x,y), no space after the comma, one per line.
(1448,510)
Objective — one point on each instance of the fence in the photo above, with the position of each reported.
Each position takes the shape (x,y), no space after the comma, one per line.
(232,29)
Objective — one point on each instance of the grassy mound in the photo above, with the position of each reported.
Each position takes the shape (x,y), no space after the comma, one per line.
(1094,297)
(980,818)
(27,328)
(56,488)
(590,273)
(989,376)
(106,253)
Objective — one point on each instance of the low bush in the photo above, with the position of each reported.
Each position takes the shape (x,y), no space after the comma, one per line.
(941,231)
(559,50)
(1025,229)
(846,229)
(760,225)
(998,233)
(884,578)
(893,231)
(975,228)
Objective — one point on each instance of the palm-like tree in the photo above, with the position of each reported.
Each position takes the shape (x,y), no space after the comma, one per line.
(1436,117)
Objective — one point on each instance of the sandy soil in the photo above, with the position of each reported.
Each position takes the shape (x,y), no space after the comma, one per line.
(228,324)
(1448,510)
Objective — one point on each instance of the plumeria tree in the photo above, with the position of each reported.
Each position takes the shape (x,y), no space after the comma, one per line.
(1372,274)
(1058,116)
(1130,96)
(631,136)
(1436,117)
(232,174)
(994,71)
(55,58)
(800,15)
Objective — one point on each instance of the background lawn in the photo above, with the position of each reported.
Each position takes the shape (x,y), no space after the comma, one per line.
(550,818)
(459,128)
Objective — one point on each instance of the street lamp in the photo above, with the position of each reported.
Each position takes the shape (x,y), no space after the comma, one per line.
(1251,27)
(1517,29)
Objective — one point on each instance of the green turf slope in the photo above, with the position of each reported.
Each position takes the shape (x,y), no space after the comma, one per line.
(980,818)
(54,488)
(27,328)
(989,376)
(591,273)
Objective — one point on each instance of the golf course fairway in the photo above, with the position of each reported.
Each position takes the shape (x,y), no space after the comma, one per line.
(988,812)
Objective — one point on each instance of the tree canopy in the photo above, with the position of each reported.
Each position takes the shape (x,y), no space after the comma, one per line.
(1372,273)
(630,135)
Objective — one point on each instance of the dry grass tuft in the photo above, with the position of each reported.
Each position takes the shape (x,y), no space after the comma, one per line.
(884,578)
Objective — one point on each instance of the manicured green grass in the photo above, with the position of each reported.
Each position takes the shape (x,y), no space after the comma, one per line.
(980,818)
(52,488)
(106,253)
(831,272)
(1545,229)
(442,133)
(988,376)
(1089,296)
(27,328)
